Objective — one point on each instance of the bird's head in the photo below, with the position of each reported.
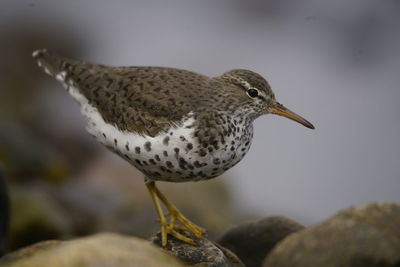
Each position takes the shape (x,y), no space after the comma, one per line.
(258,96)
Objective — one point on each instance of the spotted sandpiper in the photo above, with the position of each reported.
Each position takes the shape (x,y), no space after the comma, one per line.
(173,125)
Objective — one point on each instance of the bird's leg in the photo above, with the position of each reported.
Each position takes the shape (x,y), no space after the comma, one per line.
(176,215)
(161,217)
(166,228)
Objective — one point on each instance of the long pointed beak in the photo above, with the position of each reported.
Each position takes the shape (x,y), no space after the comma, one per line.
(280,110)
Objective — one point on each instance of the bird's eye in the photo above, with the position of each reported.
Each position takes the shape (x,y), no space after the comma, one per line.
(252,92)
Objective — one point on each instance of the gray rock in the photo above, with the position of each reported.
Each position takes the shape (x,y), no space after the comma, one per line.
(251,242)
(204,253)
(361,236)
(98,250)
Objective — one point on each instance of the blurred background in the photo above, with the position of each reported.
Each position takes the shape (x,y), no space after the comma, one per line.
(334,62)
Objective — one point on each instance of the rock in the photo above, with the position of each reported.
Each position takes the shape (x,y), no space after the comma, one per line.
(104,249)
(251,242)
(361,236)
(4,212)
(35,217)
(204,253)
(29,158)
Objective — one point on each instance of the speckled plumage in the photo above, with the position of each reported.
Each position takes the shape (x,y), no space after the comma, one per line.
(173,125)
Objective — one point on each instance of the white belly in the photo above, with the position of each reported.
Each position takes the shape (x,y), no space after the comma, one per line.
(174,155)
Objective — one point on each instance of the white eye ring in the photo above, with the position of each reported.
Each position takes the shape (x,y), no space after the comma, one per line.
(252,92)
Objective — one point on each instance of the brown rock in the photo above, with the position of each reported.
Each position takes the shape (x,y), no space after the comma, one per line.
(252,241)
(362,236)
(99,250)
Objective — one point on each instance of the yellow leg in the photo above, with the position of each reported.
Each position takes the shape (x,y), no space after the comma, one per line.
(175,215)
(161,217)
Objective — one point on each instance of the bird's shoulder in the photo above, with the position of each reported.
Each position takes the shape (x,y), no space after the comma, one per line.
(145,100)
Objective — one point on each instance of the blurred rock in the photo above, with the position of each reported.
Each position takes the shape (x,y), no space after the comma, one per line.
(361,236)
(204,253)
(35,217)
(27,158)
(104,249)
(251,242)
(4,212)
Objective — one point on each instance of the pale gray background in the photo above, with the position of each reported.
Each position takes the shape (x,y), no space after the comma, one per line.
(334,62)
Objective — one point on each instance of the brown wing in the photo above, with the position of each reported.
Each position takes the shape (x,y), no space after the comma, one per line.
(145,100)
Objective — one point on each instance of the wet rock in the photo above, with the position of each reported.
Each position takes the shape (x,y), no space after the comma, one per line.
(251,242)
(104,249)
(204,253)
(361,236)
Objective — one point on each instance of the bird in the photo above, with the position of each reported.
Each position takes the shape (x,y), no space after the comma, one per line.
(173,125)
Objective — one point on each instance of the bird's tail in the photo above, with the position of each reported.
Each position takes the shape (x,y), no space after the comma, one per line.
(52,63)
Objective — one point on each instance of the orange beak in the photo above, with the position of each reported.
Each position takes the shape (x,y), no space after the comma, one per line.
(279,109)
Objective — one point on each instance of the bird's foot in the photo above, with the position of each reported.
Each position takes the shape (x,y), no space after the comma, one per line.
(185,224)
(173,230)
(178,224)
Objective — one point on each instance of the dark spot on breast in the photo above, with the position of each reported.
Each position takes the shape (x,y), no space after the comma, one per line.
(166,140)
(202,153)
(216,161)
(127,157)
(163,168)
(104,135)
(138,162)
(189,146)
(147,146)
(182,163)
(165,153)
(169,164)
(157,174)
(197,164)
(232,148)
(127,146)
(137,150)
(152,161)
(176,150)
(157,157)
(115,141)
(182,138)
